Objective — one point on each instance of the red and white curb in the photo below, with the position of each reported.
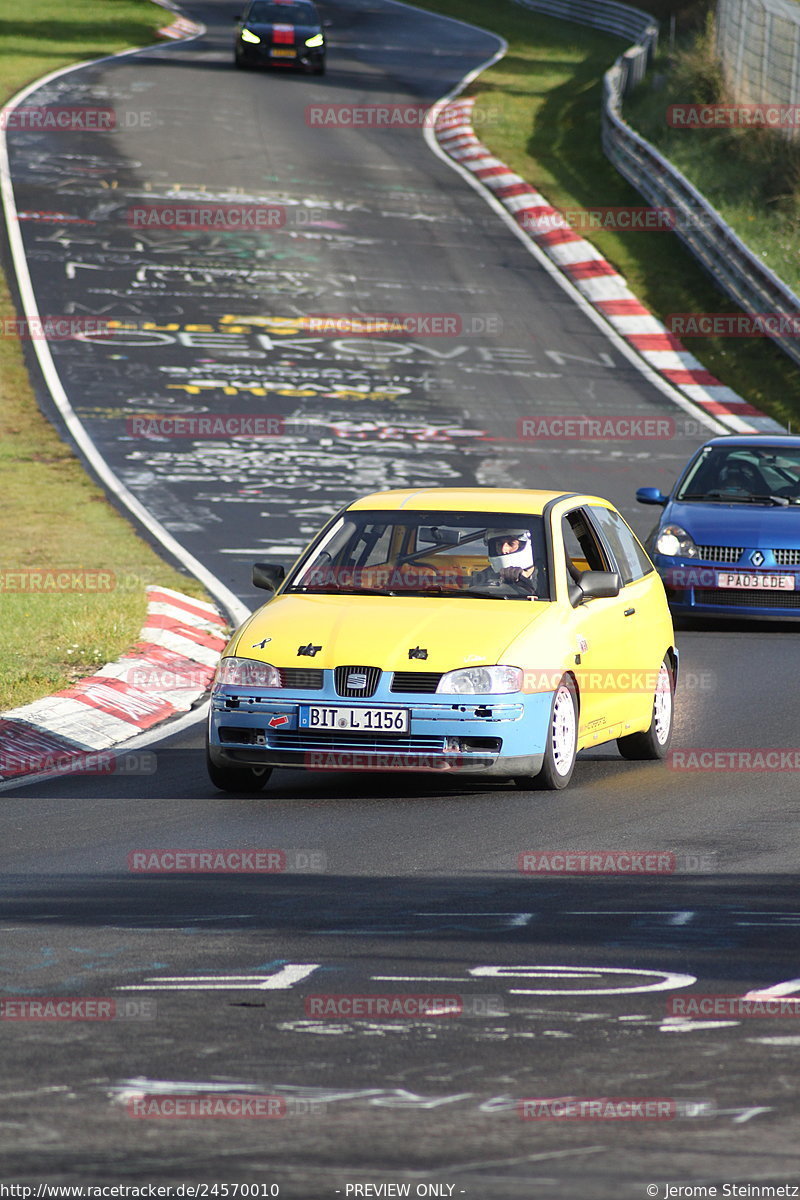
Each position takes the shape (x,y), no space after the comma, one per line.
(180,28)
(594,277)
(168,670)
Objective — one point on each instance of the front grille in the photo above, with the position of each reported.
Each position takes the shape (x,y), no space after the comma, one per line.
(371,676)
(367,742)
(724,554)
(415,681)
(302,678)
(747,599)
(787,558)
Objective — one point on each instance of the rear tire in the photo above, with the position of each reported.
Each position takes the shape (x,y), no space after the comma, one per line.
(237,779)
(654,743)
(561,747)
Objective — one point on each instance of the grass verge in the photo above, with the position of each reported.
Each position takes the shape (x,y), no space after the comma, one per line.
(54,516)
(751,176)
(538,109)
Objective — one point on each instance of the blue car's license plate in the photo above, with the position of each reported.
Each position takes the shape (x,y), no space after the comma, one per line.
(360,720)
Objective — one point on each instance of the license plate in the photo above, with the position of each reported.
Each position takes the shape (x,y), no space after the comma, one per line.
(283,53)
(362,720)
(756,583)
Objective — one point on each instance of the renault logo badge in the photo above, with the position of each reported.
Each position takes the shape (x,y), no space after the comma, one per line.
(756,558)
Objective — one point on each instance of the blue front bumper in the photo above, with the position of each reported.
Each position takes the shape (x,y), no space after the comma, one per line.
(692,588)
(495,735)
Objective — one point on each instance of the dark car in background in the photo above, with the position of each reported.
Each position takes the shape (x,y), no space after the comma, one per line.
(280,33)
(728,541)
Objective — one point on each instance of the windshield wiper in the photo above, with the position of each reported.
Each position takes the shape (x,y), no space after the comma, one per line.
(728,497)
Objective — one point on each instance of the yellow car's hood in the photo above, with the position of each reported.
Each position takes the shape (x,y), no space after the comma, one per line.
(379,631)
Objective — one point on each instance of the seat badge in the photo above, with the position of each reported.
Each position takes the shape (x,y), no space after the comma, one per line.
(356,680)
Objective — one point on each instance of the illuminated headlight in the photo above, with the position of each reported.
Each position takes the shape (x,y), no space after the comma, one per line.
(673,541)
(252,38)
(316,40)
(479,681)
(246,672)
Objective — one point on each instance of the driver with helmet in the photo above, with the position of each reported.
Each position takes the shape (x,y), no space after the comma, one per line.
(510,554)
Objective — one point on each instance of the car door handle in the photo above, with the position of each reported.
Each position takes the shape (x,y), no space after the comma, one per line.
(629,612)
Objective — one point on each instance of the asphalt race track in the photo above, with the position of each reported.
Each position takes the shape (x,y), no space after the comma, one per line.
(393,884)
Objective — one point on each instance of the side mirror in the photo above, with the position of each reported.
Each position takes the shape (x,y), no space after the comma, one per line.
(650,495)
(599,585)
(268,576)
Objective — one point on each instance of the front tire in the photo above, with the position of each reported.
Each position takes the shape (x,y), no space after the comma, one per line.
(654,743)
(237,779)
(561,747)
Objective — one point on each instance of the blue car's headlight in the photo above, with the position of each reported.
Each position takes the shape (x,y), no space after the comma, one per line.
(477,681)
(673,541)
(246,672)
(252,38)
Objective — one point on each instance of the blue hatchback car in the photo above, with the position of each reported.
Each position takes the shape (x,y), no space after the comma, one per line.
(728,541)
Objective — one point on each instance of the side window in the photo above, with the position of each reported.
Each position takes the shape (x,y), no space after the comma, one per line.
(631,559)
(581,542)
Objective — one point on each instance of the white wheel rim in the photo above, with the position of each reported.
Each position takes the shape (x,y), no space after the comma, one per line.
(563,731)
(662,706)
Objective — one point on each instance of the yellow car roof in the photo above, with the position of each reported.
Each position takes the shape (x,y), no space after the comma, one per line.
(521,500)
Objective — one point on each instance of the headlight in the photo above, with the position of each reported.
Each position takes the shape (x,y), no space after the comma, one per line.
(316,40)
(673,540)
(246,672)
(478,681)
(253,38)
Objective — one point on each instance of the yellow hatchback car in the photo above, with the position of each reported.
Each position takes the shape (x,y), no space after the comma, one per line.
(479,630)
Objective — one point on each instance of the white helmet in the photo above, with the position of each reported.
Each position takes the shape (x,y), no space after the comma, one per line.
(522,557)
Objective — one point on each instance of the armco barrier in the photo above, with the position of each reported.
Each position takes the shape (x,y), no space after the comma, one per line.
(734,268)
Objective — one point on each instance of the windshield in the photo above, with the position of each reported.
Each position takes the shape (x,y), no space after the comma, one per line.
(493,556)
(273,12)
(744,475)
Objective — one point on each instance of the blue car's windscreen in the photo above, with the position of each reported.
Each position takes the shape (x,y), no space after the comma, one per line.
(499,556)
(754,474)
(266,12)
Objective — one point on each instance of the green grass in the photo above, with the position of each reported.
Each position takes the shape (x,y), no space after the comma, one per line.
(751,176)
(53,514)
(539,110)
